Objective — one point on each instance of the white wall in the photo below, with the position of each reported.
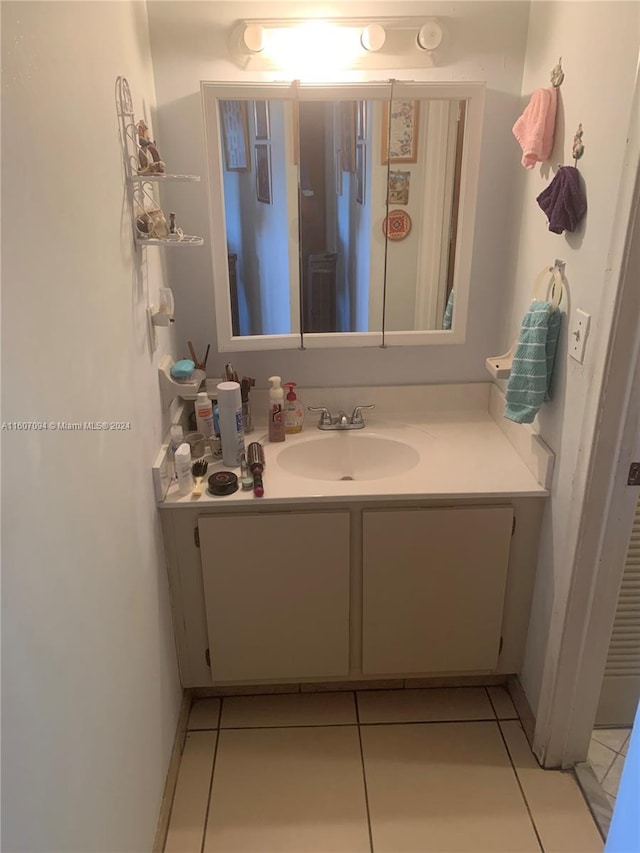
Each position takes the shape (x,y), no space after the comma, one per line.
(598,42)
(90,690)
(487,39)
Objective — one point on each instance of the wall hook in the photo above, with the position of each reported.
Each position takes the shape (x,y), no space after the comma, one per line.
(578,146)
(557,75)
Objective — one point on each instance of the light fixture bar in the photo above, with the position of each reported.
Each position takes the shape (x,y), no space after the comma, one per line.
(289,44)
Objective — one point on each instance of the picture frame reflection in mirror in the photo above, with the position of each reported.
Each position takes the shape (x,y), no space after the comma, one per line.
(399,187)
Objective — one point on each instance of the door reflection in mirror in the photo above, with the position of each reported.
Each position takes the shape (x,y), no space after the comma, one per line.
(342,256)
(420,264)
(261,210)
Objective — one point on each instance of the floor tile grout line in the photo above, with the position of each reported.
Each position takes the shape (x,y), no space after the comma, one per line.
(617,751)
(610,768)
(519,783)
(493,707)
(364,772)
(352,723)
(213,768)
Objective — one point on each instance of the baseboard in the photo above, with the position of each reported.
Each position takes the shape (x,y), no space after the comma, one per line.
(172,773)
(519,699)
(359,684)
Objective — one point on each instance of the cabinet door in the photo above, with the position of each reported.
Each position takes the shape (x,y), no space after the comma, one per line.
(434,584)
(277,595)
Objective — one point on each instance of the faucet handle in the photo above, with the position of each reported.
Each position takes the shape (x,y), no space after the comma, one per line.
(356,417)
(325,417)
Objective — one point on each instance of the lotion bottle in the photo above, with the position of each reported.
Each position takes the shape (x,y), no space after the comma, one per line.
(182,458)
(293,411)
(276,410)
(231,426)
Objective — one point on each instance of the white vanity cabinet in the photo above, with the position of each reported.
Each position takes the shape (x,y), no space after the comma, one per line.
(433,588)
(288,593)
(276,590)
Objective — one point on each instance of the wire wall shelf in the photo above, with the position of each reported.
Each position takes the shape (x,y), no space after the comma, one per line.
(144,168)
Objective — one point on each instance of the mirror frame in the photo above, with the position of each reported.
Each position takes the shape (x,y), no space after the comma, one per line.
(213,92)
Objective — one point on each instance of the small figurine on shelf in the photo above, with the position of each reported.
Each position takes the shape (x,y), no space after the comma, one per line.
(153,166)
(172,223)
(151,223)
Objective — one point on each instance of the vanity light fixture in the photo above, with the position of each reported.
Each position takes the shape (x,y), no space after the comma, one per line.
(320,46)
(373,37)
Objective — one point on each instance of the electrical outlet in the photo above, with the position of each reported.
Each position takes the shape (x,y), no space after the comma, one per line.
(578,334)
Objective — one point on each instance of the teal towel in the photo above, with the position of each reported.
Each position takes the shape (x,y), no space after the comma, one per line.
(448,313)
(532,366)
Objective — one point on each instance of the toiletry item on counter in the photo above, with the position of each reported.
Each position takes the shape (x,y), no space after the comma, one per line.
(200,365)
(223,483)
(182,371)
(216,442)
(256,463)
(276,410)
(231,430)
(293,411)
(182,458)
(196,442)
(229,373)
(198,470)
(176,438)
(245,479)
(246,385)
(204,415)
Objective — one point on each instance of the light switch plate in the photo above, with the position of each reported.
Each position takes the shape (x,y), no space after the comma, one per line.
(578,334)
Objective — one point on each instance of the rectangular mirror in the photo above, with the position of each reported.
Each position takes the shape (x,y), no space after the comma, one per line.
(341,215)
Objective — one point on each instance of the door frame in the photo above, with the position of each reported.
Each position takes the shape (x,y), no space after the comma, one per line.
(610,440)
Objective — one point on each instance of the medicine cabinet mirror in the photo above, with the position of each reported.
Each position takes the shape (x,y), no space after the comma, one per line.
(341,215)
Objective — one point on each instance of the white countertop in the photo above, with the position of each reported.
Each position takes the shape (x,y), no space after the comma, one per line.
(463,454)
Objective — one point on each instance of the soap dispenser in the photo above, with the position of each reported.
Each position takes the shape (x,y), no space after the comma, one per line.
(276,410)
(293,411)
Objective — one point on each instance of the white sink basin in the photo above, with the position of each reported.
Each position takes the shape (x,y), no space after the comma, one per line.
(348,455)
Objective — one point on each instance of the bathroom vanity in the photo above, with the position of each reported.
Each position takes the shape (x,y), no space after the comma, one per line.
(406,549)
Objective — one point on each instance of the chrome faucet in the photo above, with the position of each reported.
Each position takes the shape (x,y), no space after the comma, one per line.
(340,421)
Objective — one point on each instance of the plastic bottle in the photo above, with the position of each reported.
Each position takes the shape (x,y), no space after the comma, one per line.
(176,438)
(276,410)
(182,458)
(231,427)
(293,411)
(204,415)
(216,441)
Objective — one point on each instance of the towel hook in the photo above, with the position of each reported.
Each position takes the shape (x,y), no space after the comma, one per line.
(557,75)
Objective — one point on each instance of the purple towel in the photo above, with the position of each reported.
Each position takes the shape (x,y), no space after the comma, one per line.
(563,200)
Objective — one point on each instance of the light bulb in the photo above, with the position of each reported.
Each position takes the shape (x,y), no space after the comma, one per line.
(429,35)
(373,37)
(253,38)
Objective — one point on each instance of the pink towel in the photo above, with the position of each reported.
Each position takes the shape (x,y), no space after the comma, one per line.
(535,127)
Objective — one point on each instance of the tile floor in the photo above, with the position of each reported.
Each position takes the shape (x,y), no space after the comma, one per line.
(607,752)
(390,771)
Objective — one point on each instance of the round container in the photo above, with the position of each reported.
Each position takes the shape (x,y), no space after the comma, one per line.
(196,442)
(223,483)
